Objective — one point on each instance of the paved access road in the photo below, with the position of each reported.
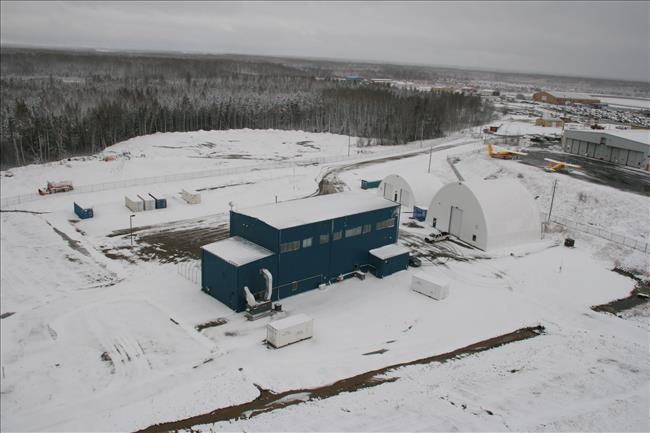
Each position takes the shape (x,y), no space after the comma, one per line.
(595,171)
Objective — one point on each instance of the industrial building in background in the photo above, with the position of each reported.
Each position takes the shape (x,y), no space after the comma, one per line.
(283,249)
(486,214)
(565,98)
(629,147)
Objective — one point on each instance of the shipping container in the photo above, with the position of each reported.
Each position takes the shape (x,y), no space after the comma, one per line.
(289,330)
(369,184)
(82,211)
(431,286)
(148,201)
(134,204)
(191,196)
(159,200)
(419,213)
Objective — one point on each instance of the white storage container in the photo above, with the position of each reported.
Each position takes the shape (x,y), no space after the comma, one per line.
(134,204)
(191,196)
(289,330)
(431,286)
(148,201)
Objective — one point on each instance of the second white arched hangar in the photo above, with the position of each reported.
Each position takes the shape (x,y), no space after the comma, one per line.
(412,189)
(487,214)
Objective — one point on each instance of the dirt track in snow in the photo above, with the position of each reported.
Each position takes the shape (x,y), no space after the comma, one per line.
(269,401)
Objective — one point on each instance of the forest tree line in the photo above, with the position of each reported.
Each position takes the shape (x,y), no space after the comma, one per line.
(56,105)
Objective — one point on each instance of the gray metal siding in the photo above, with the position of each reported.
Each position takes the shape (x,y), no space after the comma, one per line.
(600,145)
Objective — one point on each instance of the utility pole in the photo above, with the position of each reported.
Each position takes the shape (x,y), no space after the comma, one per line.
(422,134)
(430,154)
(348,141)
(548,220)
(131,226)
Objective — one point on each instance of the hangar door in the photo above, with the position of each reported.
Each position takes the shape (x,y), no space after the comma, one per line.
(455,221)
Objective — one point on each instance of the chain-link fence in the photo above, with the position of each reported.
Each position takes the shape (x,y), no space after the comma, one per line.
(190,270)
(637,244)
(25,198)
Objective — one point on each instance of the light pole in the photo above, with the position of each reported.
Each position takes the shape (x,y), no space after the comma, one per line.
(348,141)
(422,134)
(131,226)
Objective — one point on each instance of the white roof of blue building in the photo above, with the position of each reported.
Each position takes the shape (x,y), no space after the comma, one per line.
(237,251)
(321,208)
(389,251)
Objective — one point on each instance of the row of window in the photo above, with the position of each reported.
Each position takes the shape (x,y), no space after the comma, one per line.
(336,236)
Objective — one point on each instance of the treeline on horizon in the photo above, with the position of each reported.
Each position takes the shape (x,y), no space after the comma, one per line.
(57,104)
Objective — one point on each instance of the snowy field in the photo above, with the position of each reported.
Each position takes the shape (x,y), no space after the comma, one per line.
(103,338)
(629,103)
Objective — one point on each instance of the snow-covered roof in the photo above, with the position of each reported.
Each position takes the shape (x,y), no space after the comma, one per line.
(237,251)
(321,208)
(508,208)
(638,135)
(422,186)
(289,322)
(388,251)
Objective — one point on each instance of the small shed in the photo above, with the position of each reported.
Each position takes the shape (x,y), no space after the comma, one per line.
(159,199)
(410,189)
(486,214)
(229,265)
(83,211)
(388,259)
(289,330)
(135,204)
(191,196)
(148,202)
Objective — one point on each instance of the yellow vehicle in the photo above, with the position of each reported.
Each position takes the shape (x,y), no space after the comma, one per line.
(556,166)
(503,154)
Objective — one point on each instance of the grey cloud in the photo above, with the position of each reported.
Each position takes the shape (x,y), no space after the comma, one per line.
(603,39)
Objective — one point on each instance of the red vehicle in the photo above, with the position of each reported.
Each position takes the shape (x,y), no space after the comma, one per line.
(54,187)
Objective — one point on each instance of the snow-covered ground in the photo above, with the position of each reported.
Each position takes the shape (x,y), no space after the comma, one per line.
(99,343)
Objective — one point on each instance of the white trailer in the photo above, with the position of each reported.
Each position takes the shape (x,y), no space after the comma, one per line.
(148,202)
(191,196)
(289,330)
(431,286)
(134,204)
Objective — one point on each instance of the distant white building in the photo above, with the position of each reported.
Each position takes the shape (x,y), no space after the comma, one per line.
(486,214)
(410,189)
(626,147)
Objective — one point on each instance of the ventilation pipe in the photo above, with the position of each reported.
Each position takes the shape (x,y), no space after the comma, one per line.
(250,299)
(269,283)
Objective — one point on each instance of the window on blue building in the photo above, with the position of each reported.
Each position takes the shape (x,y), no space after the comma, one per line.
(336,236)
(390,222)
(355,231)
(324,238)
(367,228)
(306,242)
(289,246)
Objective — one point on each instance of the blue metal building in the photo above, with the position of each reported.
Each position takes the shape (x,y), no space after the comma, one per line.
(302,243)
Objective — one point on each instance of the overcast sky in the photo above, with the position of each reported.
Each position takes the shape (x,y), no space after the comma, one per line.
(594,39)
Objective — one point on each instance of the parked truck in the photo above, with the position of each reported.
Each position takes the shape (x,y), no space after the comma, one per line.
(54,187)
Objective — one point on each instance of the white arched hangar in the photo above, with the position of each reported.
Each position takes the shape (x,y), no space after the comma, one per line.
(412,189)
(486,214)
